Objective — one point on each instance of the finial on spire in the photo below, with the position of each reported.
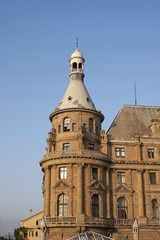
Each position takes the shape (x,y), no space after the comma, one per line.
(135,93)
(76,42)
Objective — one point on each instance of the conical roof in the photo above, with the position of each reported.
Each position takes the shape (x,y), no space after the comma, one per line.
(76,95)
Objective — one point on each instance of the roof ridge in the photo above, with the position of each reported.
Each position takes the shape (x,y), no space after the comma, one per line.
(140,106)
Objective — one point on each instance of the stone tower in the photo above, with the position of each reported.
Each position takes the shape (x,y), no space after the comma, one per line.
(76,176)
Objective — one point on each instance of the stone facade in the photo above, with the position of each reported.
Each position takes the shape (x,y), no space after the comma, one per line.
(97,181)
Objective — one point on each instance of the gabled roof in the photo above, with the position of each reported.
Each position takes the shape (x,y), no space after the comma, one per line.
(132,120)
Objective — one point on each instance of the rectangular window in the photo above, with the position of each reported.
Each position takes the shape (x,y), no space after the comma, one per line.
(95,173)
(36,222)
(121,177)
(73,127)
(66,146)
(152,178)
(90,146)
(120,152)
(32,234)
(62,172)
(36,234)
(151,153)
(25,234)
(59,128)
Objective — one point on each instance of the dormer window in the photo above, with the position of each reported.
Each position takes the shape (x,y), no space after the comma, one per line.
(66,125)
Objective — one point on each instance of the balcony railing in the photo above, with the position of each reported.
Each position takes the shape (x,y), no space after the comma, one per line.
(67,153)
(60,221)
(123,222)
(153,222)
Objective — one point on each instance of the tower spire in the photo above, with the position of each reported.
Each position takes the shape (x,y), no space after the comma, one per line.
(76,42)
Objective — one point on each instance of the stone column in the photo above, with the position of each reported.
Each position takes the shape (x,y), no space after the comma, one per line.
(52,192)
(108,213)
(47,194)
(140,193)
(79,190)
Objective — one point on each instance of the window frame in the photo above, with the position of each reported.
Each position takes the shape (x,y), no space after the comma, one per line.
(62,209)
(121,177)
(155,209)
(63,172)
(73,127)
(90,125)
(120,152)
(91,146)
(66,124)
(150,152)
(122,208)
(66,146)
(152,177)
(95,205)
(94,173)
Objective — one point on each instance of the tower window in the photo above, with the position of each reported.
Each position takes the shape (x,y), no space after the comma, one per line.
(66,125)
(152,178)
(62,172)
(73,127)
(66,146)
(122,208)
(90,146)
(154,208)
(95,206)
(80,67)
(121,177)
(91,125)
(95,173)
(62,205)
(150,153)
(74,67)
(120,152)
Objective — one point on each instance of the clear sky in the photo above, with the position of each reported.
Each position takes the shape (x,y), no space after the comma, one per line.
(120,41)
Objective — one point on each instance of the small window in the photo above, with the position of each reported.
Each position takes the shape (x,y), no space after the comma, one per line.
(66,146)
(80,67)
(74,67)
(25,234)
(62,172)
(73,127)
(32,234)
(54,147)
(120,152)
(36,222)
(59,128)
(84,128)
(121,177)
(97,130)
(91,125)
(150,153)
(90,146)
(36,234)
(66,125)
(95,173)
(152,178)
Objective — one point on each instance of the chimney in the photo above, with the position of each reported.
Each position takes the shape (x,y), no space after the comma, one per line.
(30,212)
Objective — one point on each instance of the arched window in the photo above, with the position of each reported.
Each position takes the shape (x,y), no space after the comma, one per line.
(66,125)
(91,125)
(95,206)
(62,205)
(74,67)
(154,208)
(80,67)
(122,208)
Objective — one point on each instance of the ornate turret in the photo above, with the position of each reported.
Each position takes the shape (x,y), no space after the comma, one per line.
(76,95)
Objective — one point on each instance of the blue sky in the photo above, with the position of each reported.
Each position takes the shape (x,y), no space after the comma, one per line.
(120,41)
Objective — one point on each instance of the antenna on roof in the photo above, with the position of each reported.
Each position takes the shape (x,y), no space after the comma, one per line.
(76,42)
(135,93)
